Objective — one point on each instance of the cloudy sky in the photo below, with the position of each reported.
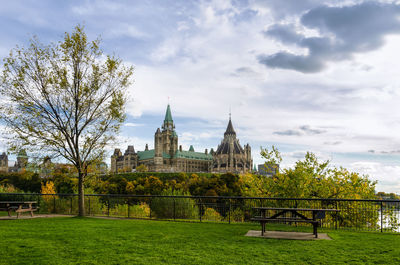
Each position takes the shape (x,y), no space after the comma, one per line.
(310,75)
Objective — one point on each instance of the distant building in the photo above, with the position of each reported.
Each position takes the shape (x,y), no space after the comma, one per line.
(268,170)
(167,157)
(3,162)
(20,165)
(230,155)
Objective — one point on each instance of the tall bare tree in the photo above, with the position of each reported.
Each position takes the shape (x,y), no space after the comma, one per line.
(66,99)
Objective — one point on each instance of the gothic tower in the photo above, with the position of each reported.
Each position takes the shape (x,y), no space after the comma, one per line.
(230,155)
(22,160)
(165,141)
(158,148)
(3,162)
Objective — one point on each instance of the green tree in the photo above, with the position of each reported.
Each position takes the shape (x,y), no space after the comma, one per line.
(142,168)
(311,178)
(272,159)
(66,99)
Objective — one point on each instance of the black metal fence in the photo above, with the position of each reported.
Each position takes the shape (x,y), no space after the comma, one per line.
(368,215)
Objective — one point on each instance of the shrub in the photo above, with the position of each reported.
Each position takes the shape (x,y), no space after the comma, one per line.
(48,199)
(211,215)
(8,188)
(141,210)
(180,208)
(237,215)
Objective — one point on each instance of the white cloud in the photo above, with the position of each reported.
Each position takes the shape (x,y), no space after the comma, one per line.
(131,124)
(388,176)
(125,30)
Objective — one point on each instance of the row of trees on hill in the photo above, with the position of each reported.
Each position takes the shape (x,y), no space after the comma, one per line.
(309,178)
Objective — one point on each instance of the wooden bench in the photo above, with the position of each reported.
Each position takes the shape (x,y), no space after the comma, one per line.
(295,218)
(18,207)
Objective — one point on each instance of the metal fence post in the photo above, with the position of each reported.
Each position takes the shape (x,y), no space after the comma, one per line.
(54,204)
(150,207)
(336,216)
(38,199)
(229,211)
(70,211)
(108,206)
(89,204)
(174,209)
(200,209)
(128,209)
(381,217)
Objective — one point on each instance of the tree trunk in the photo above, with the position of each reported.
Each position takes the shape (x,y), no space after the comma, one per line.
(81,195)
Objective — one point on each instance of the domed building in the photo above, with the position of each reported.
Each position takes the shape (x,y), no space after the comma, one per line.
(230,155)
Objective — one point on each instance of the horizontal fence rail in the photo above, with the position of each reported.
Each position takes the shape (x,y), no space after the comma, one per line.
(353,214)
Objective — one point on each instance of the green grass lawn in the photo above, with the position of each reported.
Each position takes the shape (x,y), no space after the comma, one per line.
(110,241)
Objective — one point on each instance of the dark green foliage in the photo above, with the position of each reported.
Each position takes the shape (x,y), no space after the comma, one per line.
(217,185)
(169,208)
(155,183)
(25,181)
(178,176)
(114,185)
(64,184)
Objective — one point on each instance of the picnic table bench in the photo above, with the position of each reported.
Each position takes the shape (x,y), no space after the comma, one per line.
(18,206)
(296,216)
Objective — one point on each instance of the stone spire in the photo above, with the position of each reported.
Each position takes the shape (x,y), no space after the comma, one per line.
(168,122)
(229,128)
(168,116)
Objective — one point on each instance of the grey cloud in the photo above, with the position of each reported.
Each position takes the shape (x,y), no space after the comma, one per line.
(332,143)
(391,152)
(308,130)
(366,68)
(286,60)
(343,32)
(283,8)
(284,32)
(288,132)
(244,70)
(303,130)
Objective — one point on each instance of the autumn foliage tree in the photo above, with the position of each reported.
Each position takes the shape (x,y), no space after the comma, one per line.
(311,178)
(66,99)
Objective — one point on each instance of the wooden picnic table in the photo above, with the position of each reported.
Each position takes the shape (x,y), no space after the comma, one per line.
(296,216)
(18,206)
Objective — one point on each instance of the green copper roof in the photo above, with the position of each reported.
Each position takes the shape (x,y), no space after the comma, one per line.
(149,154)
(191,149)
(143,155)
(168,116)
(193,155)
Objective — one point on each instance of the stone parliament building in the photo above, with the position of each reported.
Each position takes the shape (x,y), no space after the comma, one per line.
(18,166)
(166,156)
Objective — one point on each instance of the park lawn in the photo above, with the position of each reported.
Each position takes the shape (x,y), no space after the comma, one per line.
(124,241)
